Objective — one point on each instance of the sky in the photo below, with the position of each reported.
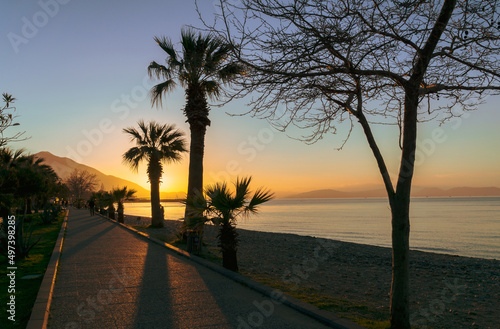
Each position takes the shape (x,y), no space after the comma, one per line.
(78,70)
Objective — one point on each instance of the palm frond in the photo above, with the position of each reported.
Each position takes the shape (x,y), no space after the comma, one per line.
(197,204)
(220,53)
(133,157)
(189,44)
(260,196)
(135,135)
(241,191)
(167,46)
(230,72)
(158,71)
(159,90)
(212,89)
(155,143)
(130,194)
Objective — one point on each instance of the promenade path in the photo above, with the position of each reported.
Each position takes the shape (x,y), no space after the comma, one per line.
(111,278)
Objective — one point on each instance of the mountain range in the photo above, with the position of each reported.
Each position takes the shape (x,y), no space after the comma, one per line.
(416,192)
(64,166)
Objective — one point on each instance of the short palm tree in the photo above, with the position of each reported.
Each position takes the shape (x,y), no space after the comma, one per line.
(201,71)
(155,144)
(101,200)
(110,203)
(222,207)
(120,195)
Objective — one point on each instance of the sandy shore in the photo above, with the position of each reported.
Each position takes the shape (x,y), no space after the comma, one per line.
(446,291)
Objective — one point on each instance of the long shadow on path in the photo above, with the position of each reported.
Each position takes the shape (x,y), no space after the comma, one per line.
(86,224)
(173,295)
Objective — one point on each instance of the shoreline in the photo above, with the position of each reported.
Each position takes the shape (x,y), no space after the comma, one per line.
(447,291)
(147,220)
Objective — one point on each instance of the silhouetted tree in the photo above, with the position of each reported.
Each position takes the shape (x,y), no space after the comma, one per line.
(155,144)
(201,71)
(223,208)
(10,162)
(7,120)
(24,178)
(36,181)
(315,64)
(121,195)
(101,200)
(81,184)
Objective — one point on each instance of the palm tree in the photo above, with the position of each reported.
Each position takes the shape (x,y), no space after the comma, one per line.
(225,206)
(110,201)
(120,195)
(36,180)
(10,162)
(101,199)
(156,144)
(201,71)
(24,177)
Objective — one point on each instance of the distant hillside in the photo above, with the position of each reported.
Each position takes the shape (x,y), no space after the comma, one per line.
(417,192)
(333,194)
(459,191)
(64,166)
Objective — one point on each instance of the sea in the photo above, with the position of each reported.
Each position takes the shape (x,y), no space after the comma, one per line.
(464,226)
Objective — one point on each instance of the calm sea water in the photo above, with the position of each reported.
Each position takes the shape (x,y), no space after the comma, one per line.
(459,226)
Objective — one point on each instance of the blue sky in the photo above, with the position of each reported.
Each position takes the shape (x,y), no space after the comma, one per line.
(78,71)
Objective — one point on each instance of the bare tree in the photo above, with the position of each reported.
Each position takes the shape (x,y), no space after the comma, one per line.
(7,116)
(315,64)
(81,184)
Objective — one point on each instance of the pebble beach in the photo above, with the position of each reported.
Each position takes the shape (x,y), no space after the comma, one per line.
(447,291)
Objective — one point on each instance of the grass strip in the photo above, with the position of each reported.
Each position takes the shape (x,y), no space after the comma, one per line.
(35,264)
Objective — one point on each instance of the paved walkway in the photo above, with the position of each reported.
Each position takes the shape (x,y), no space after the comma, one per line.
(110,278)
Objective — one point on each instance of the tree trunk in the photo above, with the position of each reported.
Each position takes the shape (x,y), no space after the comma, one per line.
(156,220)
(120,212)
(400,207)
(196,111)
(228,242)
(197,148)
(400,289)
(230,260)
(28,206)
(111,212)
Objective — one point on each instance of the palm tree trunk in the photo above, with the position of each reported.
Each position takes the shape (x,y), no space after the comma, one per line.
(197,148)
(197,116)
(111,212)
(120,212)
(228,240)
(156,220)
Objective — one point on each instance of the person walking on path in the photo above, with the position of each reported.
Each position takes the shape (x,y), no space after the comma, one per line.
(92,207)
